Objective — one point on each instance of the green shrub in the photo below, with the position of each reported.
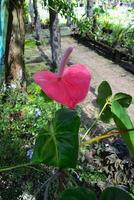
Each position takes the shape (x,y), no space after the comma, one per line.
(22,116)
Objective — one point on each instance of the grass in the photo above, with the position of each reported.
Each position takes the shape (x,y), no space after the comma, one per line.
(34,67)
(30,44)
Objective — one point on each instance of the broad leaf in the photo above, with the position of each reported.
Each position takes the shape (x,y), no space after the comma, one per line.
(115,193)
(104,92)
(77,194)
(58,145)
(124,99)
(123,122)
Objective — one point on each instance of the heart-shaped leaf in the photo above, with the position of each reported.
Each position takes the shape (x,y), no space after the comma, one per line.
(124,99)
(58,145)
(115,193)
(104,92)
(123,122)
(78,193)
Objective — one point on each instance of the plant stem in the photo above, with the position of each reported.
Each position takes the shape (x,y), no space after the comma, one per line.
(106,135)
(14,167)
(97,138)
(52,178)
(49,181)
(93,124)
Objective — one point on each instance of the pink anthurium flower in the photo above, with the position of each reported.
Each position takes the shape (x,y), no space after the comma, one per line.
(68,86)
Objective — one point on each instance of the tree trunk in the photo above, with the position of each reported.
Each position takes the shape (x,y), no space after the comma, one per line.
(3,33)
(37,22)
(69,18)
(14,55)
(89,8)
(31,11)
(55,38)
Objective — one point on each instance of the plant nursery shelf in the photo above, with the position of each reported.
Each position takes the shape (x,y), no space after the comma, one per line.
(125,60)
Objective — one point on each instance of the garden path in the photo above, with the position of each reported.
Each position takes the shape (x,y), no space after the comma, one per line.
(102,69)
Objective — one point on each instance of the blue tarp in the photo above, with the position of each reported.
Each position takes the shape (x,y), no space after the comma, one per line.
(3,32)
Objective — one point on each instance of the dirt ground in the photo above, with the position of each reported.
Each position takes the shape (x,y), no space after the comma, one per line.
(101,68)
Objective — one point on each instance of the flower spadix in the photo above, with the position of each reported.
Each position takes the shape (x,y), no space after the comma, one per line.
(69,85)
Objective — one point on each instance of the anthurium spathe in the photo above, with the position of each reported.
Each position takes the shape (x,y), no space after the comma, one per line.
(69,85)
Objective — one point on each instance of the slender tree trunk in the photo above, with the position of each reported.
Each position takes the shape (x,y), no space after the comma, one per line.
(37,22)
(89,8)
(31,26)
(31,11)
(55,38)
(14,56)
(69,18)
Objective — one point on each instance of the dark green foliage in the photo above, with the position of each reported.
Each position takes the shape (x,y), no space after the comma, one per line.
(115,193)
(110,193)
(98,11)
(57,145)
(84,27)
(77,194)
(22,117)
(123,99)
(104,94)
(123,122)
(63,7)
(116,109)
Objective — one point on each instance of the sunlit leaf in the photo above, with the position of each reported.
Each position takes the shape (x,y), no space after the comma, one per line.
(123,122)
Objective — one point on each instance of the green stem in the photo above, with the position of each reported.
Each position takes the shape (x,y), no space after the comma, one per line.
(105,135)
(97,138)
(93,124)
(14,167)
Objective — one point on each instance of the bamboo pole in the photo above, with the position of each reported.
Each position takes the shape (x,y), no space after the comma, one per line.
(3,33)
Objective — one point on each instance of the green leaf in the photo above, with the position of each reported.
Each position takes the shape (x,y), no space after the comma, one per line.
(104,92)
(58,145)
(123,122)
(124,99)
(106,115)
(46,98)
(115,193)
(78,193)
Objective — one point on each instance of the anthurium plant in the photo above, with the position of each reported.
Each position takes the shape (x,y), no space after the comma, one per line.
(110,193)
(59,143)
